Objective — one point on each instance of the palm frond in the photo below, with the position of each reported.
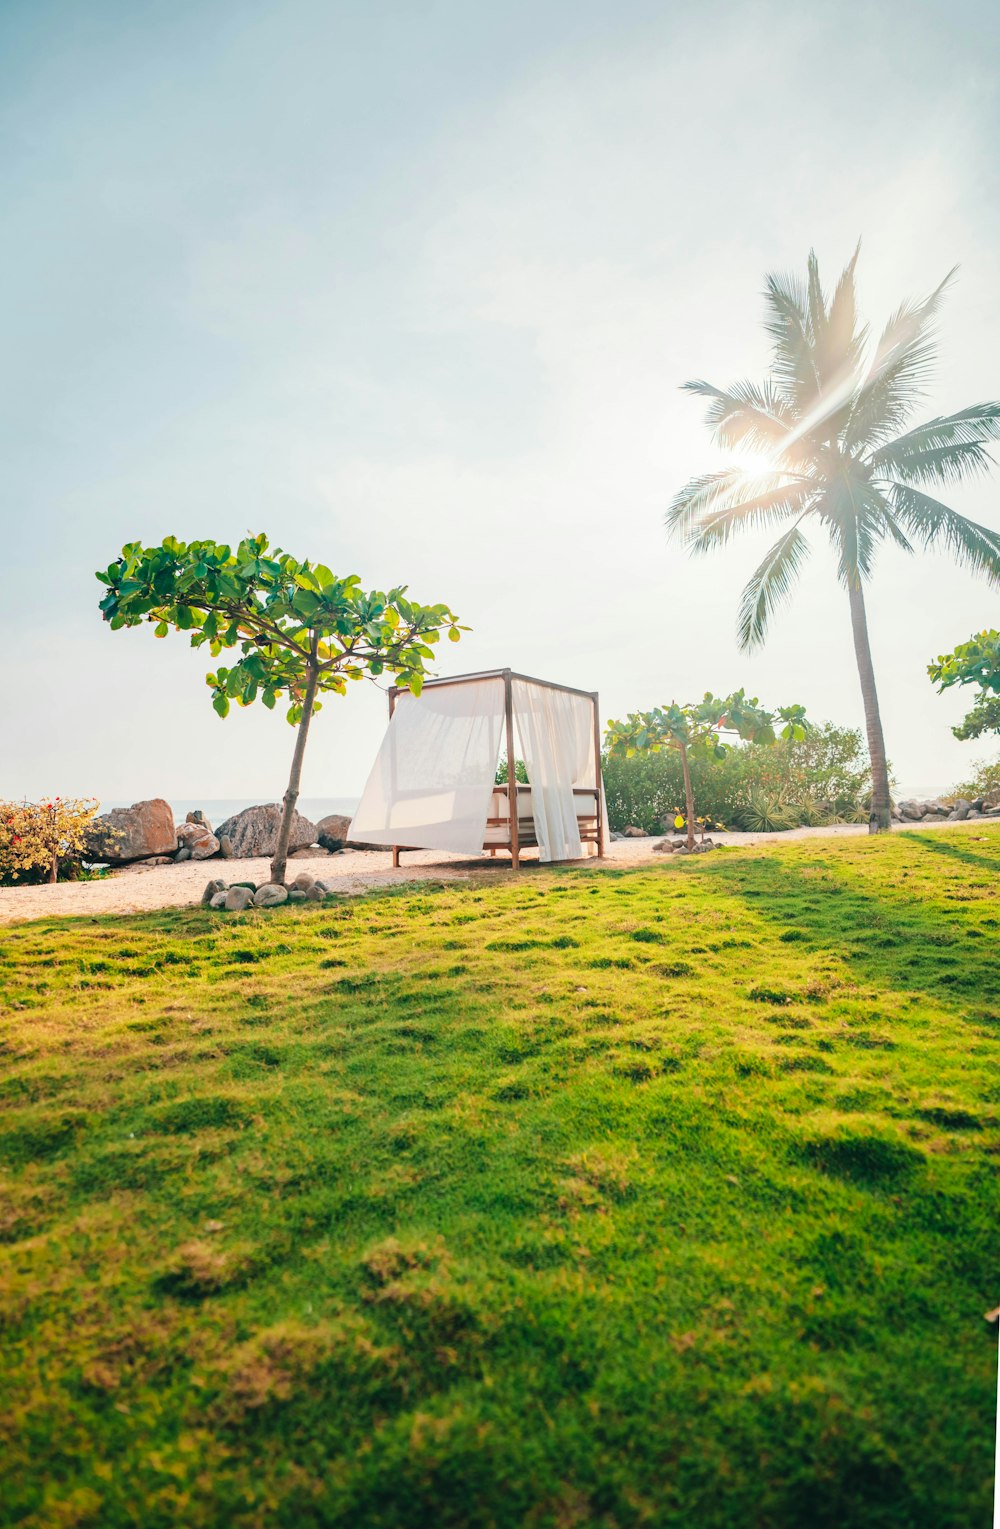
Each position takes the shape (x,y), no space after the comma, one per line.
(770,584)
(842,347)
(898,373)
(859,519)
(699,495)
(746,414)
(944,450)
(760,506)
(975,546)
(816,300)
(793,364)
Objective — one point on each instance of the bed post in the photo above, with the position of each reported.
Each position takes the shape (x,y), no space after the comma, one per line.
(393,689)
(597,777)
(508,699)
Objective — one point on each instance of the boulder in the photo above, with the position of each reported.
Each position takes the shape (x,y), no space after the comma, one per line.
(131,833)
(270,895)
(302,882)
(295,896)
(213,889)
(225,846)
(632,832)
(332,831)
(238,899)
(182,854)
(254,831)
(197,816)
(198,838)
(219,900)
(961,810)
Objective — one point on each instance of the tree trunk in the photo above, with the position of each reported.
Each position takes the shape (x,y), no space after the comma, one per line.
(280,860)
(688,794)
(880,818)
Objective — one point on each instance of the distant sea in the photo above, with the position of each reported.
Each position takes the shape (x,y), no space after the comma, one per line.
(217,811)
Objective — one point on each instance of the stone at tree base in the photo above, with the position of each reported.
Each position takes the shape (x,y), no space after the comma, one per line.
(332,831)
(254,831)
(296,896)
(219,900)
(270,895)
(131,833)
(315,893)
(212,889)
(302,882)
(238,899)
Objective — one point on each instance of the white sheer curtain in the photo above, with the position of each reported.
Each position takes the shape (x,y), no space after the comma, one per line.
(432,781)
(556,733)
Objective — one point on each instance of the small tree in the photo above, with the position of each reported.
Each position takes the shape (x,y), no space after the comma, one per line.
(301,631)
(698,728)
(976,662)
(36,836)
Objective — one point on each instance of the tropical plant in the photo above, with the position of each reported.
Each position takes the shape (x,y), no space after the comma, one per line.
(765,813)
(520,772)
(976,662)
(301,631)
(38,839)
(825,427)
(697,730)
(985,782)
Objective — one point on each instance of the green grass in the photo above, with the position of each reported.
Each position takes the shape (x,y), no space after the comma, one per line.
(626,1197)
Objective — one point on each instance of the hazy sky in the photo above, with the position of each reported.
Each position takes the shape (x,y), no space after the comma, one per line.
(411,287)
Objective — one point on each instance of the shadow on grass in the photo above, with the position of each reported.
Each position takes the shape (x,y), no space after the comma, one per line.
(948,848)
(902,939)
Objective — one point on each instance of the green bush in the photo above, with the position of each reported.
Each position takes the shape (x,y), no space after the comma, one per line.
(985,782)
(822,778)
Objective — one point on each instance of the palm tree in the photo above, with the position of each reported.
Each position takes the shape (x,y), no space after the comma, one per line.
(826,425)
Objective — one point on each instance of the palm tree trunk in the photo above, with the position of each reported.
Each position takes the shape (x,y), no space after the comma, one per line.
(280,860)
(688,793)
(880,818)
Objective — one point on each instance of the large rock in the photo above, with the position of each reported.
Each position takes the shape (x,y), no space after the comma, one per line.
(332,831)
(132,833)
(198,838)
(254,831)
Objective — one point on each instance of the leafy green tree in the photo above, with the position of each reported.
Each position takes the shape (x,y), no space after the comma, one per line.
(301,632)
(698,729)
(826,427)
(976,662)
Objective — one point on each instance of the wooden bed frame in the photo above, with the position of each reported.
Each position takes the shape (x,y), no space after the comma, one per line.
(521,831)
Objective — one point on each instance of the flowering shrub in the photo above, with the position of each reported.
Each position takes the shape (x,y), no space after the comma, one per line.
(38,839)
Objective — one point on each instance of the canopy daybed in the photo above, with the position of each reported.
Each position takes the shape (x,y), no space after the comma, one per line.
(433,783)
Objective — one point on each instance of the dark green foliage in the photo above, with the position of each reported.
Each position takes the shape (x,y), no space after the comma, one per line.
(826,771)
(579,1197)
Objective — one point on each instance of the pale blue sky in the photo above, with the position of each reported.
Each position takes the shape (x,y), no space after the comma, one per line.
(412,288)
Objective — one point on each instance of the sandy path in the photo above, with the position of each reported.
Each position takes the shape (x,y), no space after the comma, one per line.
(173,886)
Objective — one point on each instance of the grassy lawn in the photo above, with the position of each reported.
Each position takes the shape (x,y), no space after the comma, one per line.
(658,1196)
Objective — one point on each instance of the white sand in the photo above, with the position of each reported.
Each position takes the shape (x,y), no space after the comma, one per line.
(173,886)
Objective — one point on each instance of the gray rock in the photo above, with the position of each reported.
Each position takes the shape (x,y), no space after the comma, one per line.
(614,836)
(225,846)
(254,831)
(302,882)
(270,895)
(182,854)
(632,832)
(238,899)
(131,833)
(213,888)
(332,831)
(961,810)
(295,896)
(199,839)
(315,893)
(219,900)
